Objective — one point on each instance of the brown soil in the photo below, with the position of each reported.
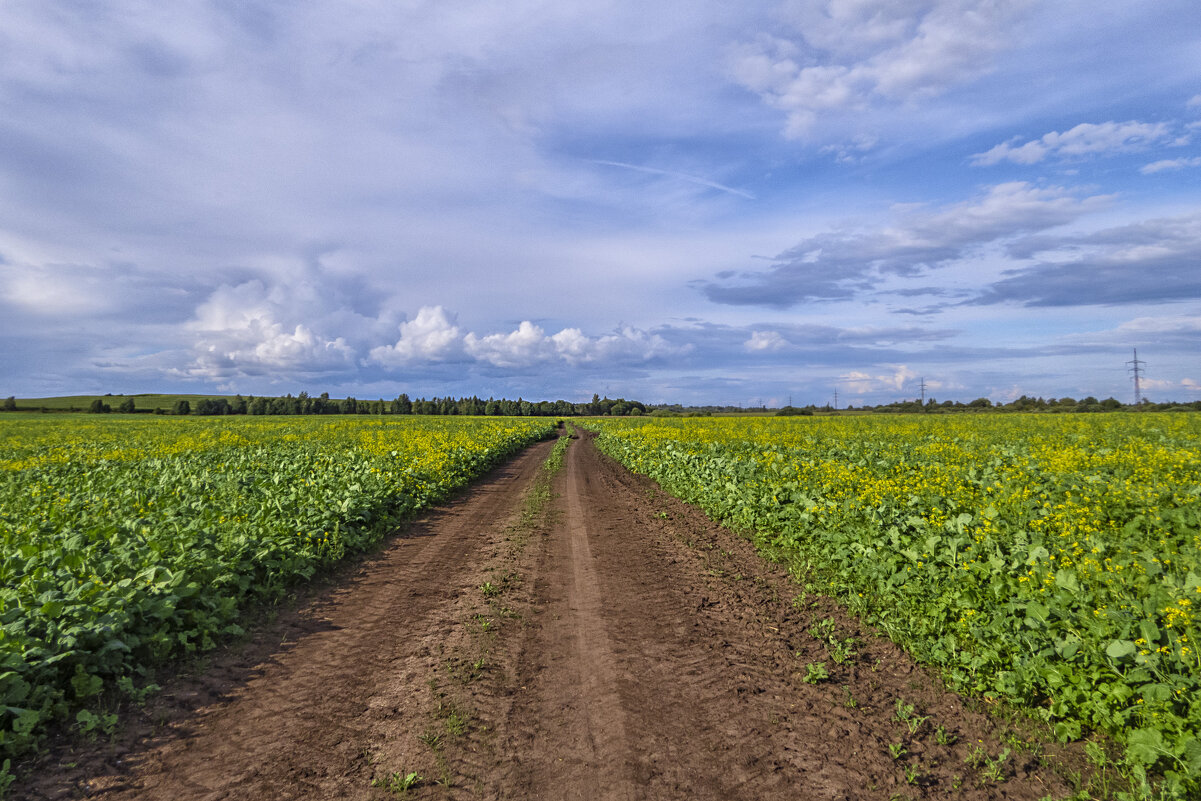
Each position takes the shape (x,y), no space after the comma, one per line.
(611,643)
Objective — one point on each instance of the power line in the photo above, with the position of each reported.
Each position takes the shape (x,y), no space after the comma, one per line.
(923,392)
(1136,369)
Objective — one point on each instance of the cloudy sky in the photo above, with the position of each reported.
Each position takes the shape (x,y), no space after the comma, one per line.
(702,202)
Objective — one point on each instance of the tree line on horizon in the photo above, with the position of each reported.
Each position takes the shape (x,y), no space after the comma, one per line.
(304,404)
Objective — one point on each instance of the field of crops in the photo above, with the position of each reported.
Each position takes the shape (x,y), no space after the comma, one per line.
(127,541)
(1054,562)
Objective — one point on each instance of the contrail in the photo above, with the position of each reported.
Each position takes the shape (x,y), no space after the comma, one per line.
(681,175)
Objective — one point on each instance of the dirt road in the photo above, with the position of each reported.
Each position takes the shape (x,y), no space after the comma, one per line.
(600,641)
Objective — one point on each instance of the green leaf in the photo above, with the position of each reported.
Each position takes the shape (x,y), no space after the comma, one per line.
(1190,754)
(1120,649)
(1145,746)
(52,609)
(1066,579)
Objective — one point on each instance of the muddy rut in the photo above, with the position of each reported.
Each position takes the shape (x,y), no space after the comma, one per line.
(590,639)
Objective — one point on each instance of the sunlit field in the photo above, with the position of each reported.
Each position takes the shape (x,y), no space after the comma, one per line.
(128,541)
(1054,562)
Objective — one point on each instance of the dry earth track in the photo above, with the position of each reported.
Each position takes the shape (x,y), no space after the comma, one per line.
(611,643)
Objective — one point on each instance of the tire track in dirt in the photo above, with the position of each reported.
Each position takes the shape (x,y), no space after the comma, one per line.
(664,658)
(574,719)
(308,721)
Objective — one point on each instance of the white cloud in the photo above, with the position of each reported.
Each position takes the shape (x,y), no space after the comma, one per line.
(252,329)
(431,336)
(1170,164)
(1194,101)
(847,55)
(526,346)
(1083,140)
(1144,326)
(860,382)
(765,341)
(529,345)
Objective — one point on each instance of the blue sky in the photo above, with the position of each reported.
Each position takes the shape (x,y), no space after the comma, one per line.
(674,201)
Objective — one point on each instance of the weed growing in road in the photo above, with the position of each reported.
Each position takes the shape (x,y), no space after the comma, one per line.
(397,783)
(849,701)
(905,714)
(489,589)
(457,723)
(137,696)
(897,750)
(842,651)
(944,737)
(913,774)
(88,722)
(994,769)
(815,673)
(6,778)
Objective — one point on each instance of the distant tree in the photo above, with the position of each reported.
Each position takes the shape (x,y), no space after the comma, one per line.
(99,407)
(212,406)
(182,407)
(127,406)
(402,405)
(980,403)
(9,405)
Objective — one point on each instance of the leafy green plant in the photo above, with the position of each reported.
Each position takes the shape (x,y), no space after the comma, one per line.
(897,750)
(976,757)
(815,673)
(905,714)
(993,769)
(398,783)
(89,722)
(135,694)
